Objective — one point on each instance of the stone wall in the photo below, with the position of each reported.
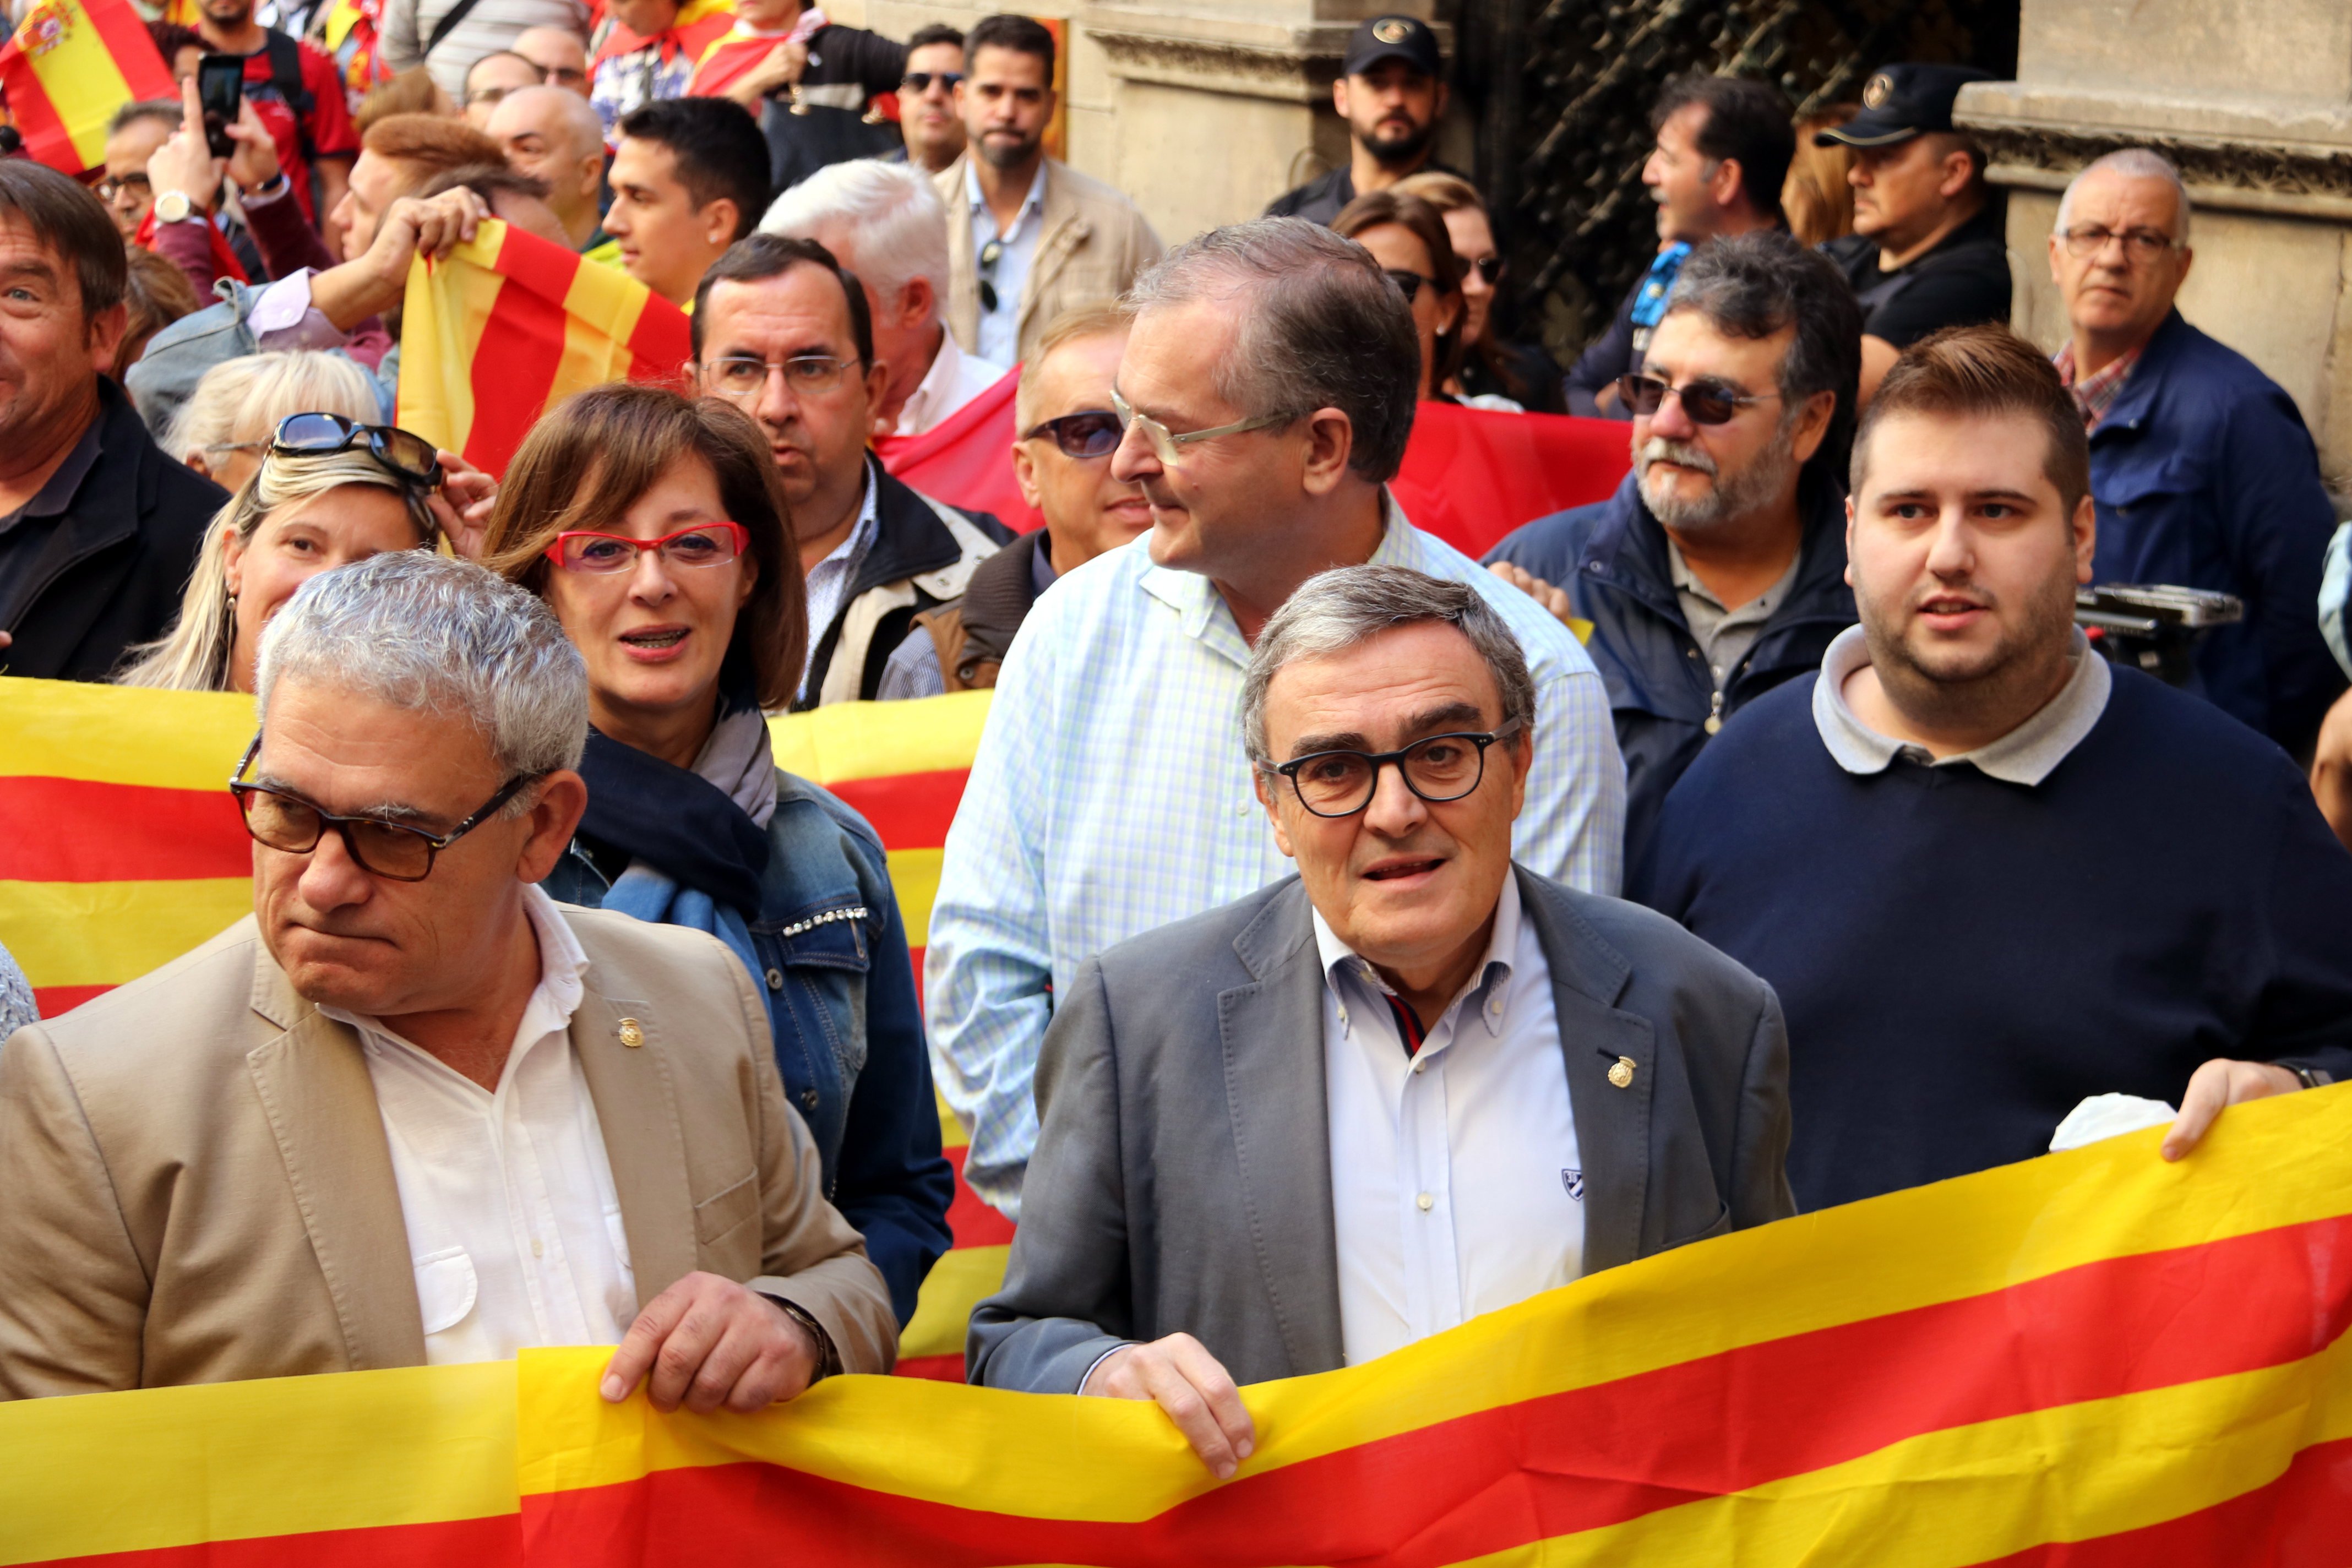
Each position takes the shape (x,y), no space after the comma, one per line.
(2256,108)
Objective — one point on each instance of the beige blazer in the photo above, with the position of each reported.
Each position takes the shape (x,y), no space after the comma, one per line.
(1091,243)
(195,1184)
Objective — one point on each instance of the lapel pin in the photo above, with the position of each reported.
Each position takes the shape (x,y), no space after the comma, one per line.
(633,1035)
(1622,1074)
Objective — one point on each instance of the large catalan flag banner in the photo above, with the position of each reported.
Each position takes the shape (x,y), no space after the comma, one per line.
(508,325)
(2089,1359)
(70,65)
(1470,474)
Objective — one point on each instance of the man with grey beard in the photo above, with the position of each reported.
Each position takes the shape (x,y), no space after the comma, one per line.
(1718,570)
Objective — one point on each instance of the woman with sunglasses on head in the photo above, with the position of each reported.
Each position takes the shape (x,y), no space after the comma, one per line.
(656,529)
(1409,240)
(1507,377)
(326,490)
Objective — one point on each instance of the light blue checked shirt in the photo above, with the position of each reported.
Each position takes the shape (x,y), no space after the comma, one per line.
(1111,796)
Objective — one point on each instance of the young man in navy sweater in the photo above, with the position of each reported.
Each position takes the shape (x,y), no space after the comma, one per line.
(1989,874)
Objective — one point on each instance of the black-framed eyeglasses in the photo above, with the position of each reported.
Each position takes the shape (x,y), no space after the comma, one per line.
(2086,240)
(745,375)
(919,82)
(1704,401)
(393,850)
(1090,433)
(1409,282)
(402,452)
(1437,768)
(115,186)
(990,255)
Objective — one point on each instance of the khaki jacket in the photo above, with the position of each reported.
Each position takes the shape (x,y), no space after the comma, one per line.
(1091,243)
(197,1186)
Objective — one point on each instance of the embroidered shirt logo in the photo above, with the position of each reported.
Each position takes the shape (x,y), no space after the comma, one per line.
(1574,1181)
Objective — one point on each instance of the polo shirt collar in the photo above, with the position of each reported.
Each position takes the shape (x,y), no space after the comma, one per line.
(2026,755)
(57,491)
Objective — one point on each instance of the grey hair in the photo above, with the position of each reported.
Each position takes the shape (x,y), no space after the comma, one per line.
(2134,164)
(1761,283)
(162,110)
(1333,611)
(890,215)
(1320,326)
(435,632)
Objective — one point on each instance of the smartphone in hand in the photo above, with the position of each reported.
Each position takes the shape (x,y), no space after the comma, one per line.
(220,90)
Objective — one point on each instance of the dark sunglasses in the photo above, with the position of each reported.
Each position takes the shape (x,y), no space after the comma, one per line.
(410,457)
(1488,268)
(990,255)
(1090,433)
(919,82)
(1703,402)
(1409,282)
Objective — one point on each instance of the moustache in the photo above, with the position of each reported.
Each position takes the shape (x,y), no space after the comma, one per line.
(1683,454)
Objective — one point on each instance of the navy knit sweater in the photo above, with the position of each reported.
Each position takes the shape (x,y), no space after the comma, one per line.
(1962,960)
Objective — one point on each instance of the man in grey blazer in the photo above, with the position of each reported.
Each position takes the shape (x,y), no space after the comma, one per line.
(1414,1084)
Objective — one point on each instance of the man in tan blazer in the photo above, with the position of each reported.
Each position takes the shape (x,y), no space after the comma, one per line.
(412,1110)
(1028,236)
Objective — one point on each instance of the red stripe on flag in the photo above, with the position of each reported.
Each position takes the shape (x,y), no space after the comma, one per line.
(119,833)
(934,1368)
(1585,1458)
(970,1219)
(57,1001)
(662,341)
(47,140)
(522,348)
(910,811)
(125,34)
(493,1542)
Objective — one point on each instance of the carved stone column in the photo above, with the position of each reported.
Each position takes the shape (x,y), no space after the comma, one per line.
(2255,106)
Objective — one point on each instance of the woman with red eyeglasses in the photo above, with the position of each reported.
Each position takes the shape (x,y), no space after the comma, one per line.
(656,530)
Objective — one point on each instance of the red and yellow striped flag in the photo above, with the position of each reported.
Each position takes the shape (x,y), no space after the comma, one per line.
(139,857)
(71,64)
(2088,1359)
(508,325)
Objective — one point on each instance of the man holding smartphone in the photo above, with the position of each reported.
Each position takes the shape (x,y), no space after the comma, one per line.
(294,89)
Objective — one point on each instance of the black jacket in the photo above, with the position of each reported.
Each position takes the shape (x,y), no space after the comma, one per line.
(77,589)
(1610,558)
(847,69)
(916,563)
(1320,201)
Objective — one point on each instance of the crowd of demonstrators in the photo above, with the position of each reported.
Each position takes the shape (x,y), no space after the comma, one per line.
(1028,235)
(1267,389)
(1062,408)
(446,38)
(886,224)
(781,332)
(1409,240)
(2202,469)
(655,528)
(1492,374)
(296,95)
(1718,570)
(1989,873)
(1391,92)
(1721,155)
(1928,249)
(929,124)
(486,1156)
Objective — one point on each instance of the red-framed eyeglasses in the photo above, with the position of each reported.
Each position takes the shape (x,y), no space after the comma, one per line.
(704,545)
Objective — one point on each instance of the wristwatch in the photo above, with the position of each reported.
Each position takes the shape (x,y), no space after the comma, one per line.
(173,206)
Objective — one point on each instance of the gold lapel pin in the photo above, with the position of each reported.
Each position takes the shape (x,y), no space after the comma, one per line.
(1622,1074)
(633,1035)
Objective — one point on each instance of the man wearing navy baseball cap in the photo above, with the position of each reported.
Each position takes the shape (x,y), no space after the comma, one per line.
(1389,94)
(1927,251)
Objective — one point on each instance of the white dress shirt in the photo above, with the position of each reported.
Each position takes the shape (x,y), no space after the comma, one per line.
(1110,795)
(829,579)
(1457,1186)
(2025,756)
(954,379)
(1000,329)
(514,1227)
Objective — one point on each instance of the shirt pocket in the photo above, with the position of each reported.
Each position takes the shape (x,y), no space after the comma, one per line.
(826,954)
(445,1288)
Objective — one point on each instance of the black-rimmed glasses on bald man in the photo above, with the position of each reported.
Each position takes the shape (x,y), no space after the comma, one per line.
(393,850)
(1438,768)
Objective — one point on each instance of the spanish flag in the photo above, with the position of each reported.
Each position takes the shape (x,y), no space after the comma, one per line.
(2092,1360)
(141,855)
(508,325)
(71,64)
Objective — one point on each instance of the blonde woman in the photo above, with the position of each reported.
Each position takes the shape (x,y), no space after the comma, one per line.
(327,490)
(224,426)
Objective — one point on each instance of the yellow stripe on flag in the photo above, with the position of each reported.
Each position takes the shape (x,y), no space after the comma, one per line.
(868,739)
(120,734)
(446,307)
(915,878)
(957,1283)
(601,309)
(105,934)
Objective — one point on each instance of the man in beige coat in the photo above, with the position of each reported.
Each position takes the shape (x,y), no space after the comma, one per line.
(412,1110)
(1028,236)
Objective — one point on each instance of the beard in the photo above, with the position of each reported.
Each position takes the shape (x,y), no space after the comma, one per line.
(1761,482)
(1397,147)
(1006,155)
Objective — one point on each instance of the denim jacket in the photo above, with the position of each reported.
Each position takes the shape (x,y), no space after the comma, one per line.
(848,1031)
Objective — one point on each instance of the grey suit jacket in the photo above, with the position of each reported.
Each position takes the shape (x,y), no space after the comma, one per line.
(1183,1177)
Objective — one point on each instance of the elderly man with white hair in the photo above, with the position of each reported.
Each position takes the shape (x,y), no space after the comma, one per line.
(411,1111)
(885,223)
(2204,474)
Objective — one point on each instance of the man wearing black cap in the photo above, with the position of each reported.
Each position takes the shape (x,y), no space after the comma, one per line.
(1927,251)
(1389,95)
